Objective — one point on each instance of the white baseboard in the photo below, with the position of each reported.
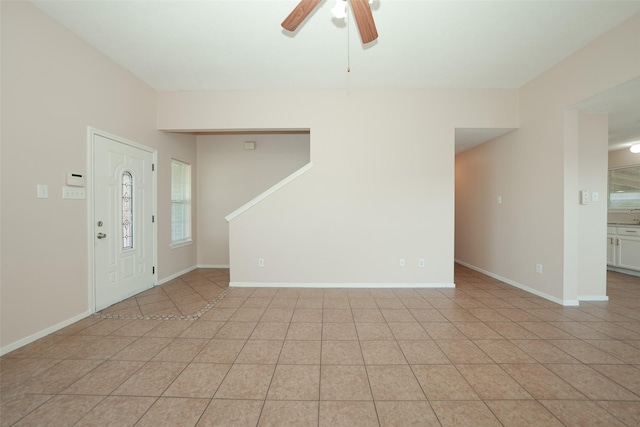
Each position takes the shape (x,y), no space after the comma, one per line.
(31,338)
(566,302)
(593,298)
(175,276)
(185,271)
(43,333)
(340,285)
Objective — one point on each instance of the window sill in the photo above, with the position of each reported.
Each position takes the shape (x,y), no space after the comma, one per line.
(181,243)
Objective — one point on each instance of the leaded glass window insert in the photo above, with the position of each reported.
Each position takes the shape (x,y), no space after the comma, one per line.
(127,210)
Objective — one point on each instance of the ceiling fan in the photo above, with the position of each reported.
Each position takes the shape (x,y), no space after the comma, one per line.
(361,11)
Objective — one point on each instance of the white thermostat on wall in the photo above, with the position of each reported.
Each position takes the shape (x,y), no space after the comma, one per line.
(75,179)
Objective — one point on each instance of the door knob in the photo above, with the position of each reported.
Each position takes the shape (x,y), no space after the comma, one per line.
(101,235)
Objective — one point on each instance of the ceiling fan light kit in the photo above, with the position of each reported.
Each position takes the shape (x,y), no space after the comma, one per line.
(339,11)
(361,11)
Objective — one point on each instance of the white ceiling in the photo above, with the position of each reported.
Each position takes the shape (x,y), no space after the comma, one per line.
(239,44)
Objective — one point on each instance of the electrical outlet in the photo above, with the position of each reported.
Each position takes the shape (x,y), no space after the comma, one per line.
(260,262)
(401,262)
(539,268)
(420,262)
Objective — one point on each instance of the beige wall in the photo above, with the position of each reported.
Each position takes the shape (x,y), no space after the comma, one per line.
(592,176)
(53,87)
(230,176)
(539,170)
(381,186)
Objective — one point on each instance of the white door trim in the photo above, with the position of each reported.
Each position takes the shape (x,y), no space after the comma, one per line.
(91,133)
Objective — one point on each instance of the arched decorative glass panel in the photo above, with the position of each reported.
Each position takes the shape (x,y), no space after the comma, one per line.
(127,210)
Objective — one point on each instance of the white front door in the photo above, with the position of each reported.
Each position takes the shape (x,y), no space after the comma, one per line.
(123,226)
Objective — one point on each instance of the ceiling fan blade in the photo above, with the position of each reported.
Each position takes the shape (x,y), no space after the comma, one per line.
(364,19)
(299,14)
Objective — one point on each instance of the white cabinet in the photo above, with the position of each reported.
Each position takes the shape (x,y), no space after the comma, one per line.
(611,249)
(623,247)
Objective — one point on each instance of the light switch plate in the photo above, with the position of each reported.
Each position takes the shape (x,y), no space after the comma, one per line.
(73,193)
(584,197)
(42,191)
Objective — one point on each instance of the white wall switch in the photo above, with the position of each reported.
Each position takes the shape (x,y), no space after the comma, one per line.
(499,200)
(584,197)
(539,268)
(73,193)
(594,196)
(401,262)
(42,191)
(420,262)
(260,262)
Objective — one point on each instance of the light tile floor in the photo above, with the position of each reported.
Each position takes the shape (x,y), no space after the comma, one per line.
(186,297)
(484,353)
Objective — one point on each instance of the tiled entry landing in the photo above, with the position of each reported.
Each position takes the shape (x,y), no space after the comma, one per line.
(483,354)
(186,297)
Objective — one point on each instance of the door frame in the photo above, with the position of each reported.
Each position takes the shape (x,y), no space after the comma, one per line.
(91,219)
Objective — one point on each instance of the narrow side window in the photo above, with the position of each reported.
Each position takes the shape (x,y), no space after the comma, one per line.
(180,202)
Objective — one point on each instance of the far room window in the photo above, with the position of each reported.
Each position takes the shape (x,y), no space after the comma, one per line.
(180,202)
